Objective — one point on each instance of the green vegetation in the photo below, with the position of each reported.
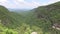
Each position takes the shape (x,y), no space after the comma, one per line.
(49,15)
(5,30)
(38,20)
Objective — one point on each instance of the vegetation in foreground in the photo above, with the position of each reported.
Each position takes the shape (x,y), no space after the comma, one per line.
(38,20)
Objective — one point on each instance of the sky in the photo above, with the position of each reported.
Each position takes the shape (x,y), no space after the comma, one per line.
(25,4)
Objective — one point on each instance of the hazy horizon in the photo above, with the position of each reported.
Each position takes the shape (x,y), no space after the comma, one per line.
(25,4)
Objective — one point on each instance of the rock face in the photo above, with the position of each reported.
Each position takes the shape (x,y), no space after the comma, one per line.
(56,26)
(34,33)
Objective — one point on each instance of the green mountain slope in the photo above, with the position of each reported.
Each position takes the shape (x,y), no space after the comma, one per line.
(3,14)
(5,21)
(38,20)
(9,19)
(50,12)
(12,22)
(49,15)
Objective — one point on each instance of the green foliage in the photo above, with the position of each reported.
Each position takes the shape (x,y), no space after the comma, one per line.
(10,31)
(48,16)
(4,30)
(39,20)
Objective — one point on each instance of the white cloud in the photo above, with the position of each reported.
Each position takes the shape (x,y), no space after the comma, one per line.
(19,4)
(3,0)
(24,4)
(52,1)
(20,0)
(7,4)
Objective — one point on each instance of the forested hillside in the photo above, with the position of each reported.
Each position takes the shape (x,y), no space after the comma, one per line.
(40,20)
(6,21)
(49,12)
(50,15)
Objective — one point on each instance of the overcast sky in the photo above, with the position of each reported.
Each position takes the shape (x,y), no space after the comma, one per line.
(25,4)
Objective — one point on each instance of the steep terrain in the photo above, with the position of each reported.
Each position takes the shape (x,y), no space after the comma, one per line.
(5,21)
(50,15)
(38,20)
(4,15)
(49,12)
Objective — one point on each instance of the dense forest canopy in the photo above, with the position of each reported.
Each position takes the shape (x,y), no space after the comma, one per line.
(39,20)
(49,12)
